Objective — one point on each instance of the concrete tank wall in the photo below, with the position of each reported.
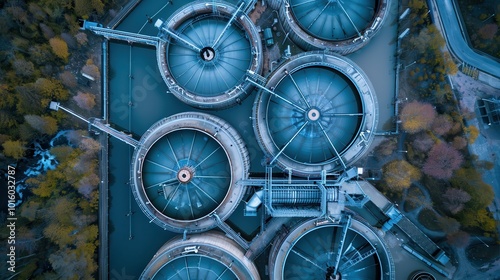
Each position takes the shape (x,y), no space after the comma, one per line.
(231,164)
(218,82)
(308,41)
(323,119)
(215,257)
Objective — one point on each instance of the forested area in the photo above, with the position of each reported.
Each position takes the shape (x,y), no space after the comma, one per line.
(43,54)
(482,21)
(436,155)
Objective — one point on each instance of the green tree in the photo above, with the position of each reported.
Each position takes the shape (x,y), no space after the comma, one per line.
(84,8)
(471,181)
(59,234)
(23,68)
(30,100)
(399,174)
(14,149)
(29,209)
(51,89)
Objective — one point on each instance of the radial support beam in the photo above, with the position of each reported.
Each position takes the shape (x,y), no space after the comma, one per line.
(289,141)
(229,23)
(359,258)
(333,146)
(182,40)
(298,89)
(308,259)
(345,227)
(276,95)
(349,18)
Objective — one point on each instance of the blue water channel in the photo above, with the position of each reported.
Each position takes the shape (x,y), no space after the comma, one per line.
(138,97)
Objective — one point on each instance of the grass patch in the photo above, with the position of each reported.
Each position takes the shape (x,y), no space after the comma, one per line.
(429,219)
(478,254)
(412,199)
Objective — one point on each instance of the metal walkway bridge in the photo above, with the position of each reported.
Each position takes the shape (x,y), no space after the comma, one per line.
(98,123)
(120,35)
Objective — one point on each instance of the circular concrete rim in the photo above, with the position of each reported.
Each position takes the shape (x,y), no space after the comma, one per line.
(308,42)
(361,140)
(282,246)
(210,244)
(230,141)
(226,99)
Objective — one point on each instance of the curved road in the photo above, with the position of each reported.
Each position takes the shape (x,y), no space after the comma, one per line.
(455,37)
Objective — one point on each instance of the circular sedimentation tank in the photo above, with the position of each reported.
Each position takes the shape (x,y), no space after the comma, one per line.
(311,249)
(210,256)
(422,275)
(336,25)
(207,51)
(185,169)
(318,113)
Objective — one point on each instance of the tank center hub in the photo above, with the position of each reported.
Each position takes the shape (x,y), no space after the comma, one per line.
(207,53)
(185,174)
(313,114)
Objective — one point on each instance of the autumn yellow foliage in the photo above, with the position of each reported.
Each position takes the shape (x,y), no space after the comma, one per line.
(59,47)
(399,174)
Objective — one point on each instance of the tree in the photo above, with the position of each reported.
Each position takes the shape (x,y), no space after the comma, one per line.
(84,8)
(387,147)
(68,265)
(451,67)
(14,149)
(59,47)
(423,142)
(51,89)
(43,124)
(480,218)
(23,68)
(417,116)
(459,239)
(472,132)
(48,33)
(29,209)
(88,184)
(399,174)
(59,234)
(29,99)
(488,31)
(70,40)
(41,54)
(459,142)
(448,225)
(91,70)
(7,120)
(471,181)
(454,200)
(442,124)
(81,38)
(85,100)
(68,79)
(62,153)
(442,161)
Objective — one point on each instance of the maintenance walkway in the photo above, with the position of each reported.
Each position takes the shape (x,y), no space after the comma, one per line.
(121,35)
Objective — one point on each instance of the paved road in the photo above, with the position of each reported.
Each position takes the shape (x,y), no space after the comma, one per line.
(455,38)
